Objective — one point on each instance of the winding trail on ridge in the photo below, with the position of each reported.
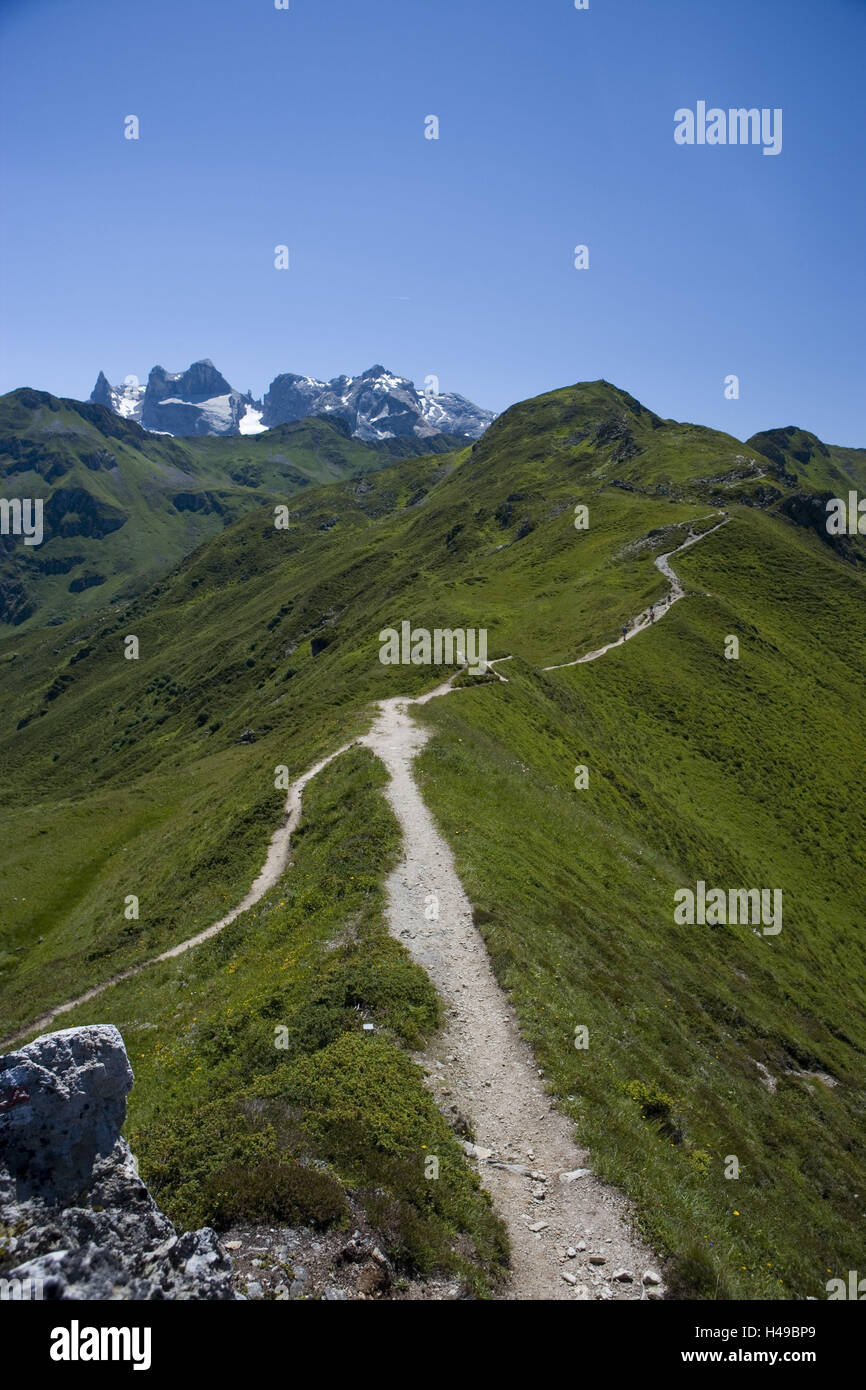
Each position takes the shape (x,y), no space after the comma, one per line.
(657,611)
(275,864)
(478,1065)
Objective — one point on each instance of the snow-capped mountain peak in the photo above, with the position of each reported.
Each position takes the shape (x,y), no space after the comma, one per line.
(125,400)
(377,405)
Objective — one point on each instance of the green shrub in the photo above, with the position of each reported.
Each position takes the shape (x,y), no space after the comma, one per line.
(656,1106)
(180,1152)
(360,1103)
(273,1191)
(700,1161)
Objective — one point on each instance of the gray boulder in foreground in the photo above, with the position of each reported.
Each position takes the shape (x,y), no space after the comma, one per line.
(75,1217)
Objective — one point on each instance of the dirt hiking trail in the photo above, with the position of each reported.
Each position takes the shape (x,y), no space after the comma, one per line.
(480,1066)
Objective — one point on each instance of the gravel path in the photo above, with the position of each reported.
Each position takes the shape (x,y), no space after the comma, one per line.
(480,1065)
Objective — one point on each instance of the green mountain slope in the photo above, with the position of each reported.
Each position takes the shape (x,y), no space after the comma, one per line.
(122,506)
(824,467)
(127,777)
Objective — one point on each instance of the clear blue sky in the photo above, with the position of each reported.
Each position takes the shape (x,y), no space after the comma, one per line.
(452,257)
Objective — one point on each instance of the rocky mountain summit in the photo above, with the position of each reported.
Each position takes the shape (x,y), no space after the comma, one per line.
(376,405)
(76,1220)
(197,401)
(124,400)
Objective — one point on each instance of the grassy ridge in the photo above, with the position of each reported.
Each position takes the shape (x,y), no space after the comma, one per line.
(123,506)
(574,893)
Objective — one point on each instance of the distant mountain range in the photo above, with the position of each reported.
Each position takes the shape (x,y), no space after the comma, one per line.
(377,405)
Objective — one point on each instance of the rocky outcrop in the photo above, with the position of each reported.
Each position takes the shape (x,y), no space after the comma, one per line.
(197,401)
(124,400)
(809,510)
(76,1220)
(103,392)
(73,511)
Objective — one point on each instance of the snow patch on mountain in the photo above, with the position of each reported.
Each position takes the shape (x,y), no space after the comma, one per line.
(251,422)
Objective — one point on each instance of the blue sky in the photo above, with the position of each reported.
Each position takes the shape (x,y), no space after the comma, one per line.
(451,257)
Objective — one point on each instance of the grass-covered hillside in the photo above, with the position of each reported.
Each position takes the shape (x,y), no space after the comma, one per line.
(128,777)
(122,506)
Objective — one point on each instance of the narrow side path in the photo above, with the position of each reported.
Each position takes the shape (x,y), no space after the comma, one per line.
(274,866)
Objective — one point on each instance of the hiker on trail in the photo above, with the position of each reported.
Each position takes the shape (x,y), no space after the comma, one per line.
(652,614)
(624,631)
